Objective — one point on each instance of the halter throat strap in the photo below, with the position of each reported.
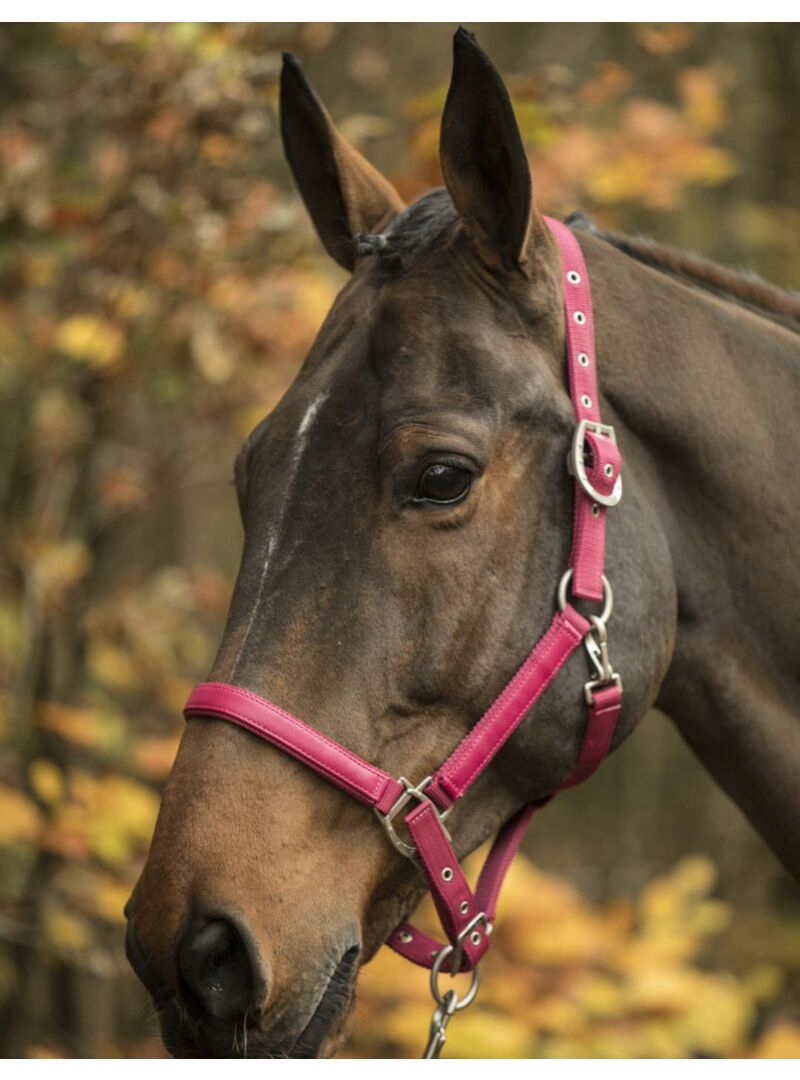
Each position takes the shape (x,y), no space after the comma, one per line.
(467,916)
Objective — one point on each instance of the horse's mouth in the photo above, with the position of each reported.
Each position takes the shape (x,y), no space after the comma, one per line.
(332,1008)
(185,1035)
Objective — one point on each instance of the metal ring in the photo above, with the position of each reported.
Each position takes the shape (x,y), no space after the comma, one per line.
(469,997)
(608,595)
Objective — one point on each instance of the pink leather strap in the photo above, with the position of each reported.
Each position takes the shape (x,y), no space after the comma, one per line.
(589,525)
(421,948)
(335,762)
(504,716)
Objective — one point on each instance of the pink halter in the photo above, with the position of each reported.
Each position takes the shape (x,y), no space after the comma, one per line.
(467,916)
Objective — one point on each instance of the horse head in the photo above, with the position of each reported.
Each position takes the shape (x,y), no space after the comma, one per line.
(406,514)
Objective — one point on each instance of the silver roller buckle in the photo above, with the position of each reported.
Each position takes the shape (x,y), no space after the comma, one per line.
(576,461)
(412,791)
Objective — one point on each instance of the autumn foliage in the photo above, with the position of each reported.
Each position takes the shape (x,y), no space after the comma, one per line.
(159,287)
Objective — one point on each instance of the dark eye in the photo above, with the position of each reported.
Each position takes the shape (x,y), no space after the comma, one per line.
(443,484)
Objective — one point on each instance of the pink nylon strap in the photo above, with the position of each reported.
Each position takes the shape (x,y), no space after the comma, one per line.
(589,525)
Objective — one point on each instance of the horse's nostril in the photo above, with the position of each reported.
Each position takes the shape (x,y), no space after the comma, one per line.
(216,967)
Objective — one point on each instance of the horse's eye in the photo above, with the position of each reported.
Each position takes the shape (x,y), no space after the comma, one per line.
(443,484)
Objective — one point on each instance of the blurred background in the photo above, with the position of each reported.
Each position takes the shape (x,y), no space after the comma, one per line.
(159,287)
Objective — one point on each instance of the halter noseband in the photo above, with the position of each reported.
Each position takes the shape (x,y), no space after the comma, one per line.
(467,916)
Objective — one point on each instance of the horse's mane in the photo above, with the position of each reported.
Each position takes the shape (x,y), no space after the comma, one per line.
(431,218)
(743,287)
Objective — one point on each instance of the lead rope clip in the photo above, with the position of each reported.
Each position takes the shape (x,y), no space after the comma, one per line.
(596,643)
(446,1004)
(439,1022)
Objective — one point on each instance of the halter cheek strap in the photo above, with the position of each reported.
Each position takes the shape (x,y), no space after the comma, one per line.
(467,916)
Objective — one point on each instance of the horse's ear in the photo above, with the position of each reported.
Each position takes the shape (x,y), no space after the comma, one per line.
(343,193)
(483,160)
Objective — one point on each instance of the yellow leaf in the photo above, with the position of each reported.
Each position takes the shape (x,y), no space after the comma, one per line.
(113,666)
(154,756)
(83,726)
(66,932)
(695,875)
(90,339)
(55,568)
(484,1034)
(780,1041)
(47,780)
(110,898)
(20,819)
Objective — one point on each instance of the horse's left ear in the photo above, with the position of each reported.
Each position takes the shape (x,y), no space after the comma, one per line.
(483,160)
(343,193)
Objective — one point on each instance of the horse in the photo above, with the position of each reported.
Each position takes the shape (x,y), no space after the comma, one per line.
(406,513)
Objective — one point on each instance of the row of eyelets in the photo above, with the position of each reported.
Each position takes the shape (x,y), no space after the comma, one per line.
(574,278)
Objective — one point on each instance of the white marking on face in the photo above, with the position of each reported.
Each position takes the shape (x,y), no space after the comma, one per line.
(273,536)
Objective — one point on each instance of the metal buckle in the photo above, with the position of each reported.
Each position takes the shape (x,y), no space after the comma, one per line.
(458,949)
(411,792)
(576,461)
(596,643)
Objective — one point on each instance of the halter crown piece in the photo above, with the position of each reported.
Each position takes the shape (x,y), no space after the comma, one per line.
(466,915)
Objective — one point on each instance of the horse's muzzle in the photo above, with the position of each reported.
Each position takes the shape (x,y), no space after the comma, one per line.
(220,1009)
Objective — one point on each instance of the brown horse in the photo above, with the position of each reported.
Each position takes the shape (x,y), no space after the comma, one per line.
(407,514)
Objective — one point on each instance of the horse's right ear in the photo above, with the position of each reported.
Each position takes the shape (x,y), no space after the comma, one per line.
(343,193)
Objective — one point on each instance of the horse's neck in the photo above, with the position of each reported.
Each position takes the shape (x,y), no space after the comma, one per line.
(707,394)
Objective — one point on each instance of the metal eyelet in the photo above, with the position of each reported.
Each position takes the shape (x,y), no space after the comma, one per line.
(595,510)
(463,907)
(583,359)
(608,470)
(573,277)
(579,318)
(447,874)
(475,937)
(586,401)
(405,937)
